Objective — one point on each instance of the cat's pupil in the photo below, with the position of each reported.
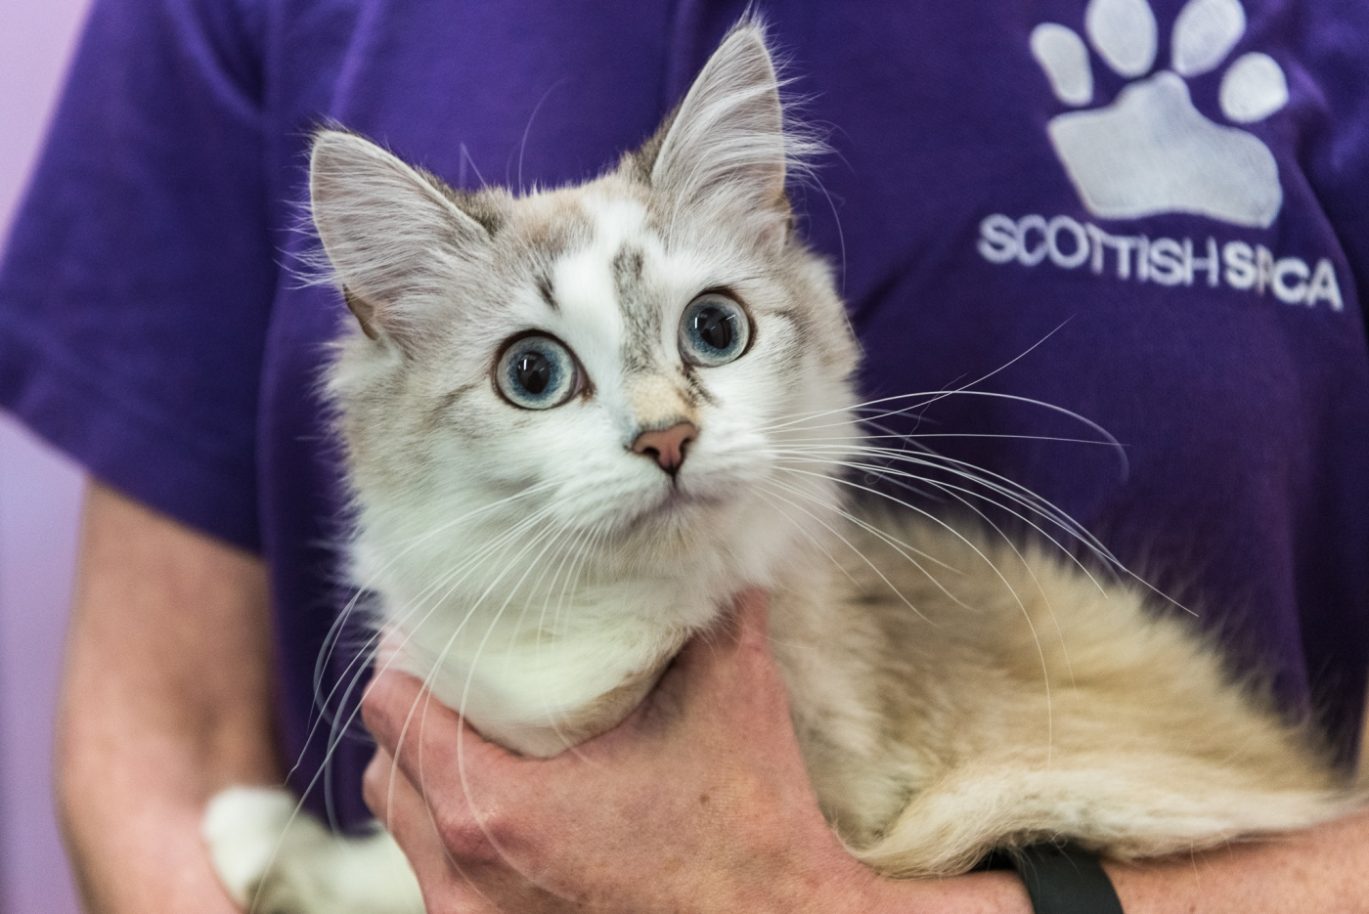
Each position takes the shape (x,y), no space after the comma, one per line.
(714,327)
(533,372)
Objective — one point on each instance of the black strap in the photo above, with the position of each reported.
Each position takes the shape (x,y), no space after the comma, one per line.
(1064,879)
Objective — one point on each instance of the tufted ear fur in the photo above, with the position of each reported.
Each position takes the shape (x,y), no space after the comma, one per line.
(725,148)
(395,236)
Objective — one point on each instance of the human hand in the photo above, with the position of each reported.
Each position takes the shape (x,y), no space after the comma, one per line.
(698,801)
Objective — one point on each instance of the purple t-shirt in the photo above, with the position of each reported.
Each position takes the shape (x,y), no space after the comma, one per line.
(1173,206)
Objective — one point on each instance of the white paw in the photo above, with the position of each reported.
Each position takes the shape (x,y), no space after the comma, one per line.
(1151,151)
(252,834)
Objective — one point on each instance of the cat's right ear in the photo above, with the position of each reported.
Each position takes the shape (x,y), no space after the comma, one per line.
(396,238)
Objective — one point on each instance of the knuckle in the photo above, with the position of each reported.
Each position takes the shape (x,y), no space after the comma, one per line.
(375,785)
(468,838)
(374,711)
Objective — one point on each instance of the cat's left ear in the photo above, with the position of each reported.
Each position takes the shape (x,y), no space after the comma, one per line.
(725,148)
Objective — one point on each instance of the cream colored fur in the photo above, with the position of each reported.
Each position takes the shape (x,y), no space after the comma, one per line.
(954,692)
(1023,702)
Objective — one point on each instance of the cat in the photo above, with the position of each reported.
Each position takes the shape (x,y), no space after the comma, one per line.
(578,421)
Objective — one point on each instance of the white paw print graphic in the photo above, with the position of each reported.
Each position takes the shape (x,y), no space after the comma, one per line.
(1151,151)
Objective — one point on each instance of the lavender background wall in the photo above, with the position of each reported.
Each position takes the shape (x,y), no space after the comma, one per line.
(39,504)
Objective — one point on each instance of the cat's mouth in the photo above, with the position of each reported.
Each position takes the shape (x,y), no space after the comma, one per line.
(672,501)
(675,504)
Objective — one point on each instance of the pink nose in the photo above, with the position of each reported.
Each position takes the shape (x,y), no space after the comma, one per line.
(666,446)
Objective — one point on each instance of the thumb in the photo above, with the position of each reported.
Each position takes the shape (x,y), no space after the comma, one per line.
(751,620)
(742,629)
(721,663)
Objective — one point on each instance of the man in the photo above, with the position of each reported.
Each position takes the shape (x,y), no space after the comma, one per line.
(150,329)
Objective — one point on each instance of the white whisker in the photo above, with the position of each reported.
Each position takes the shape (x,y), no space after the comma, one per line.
(829,528)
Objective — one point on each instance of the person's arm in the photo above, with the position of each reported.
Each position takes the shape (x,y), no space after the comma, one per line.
(699,802)
(166,698)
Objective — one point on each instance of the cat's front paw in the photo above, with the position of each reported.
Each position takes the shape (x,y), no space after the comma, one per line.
(252,834)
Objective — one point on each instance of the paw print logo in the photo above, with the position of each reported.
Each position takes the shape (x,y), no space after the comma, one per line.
(1151,151)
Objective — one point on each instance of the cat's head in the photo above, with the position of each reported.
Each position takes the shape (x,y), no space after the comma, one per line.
(627,369)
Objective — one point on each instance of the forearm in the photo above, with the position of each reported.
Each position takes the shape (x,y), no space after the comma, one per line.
(139,851)
(166,698)
(132,799)
(1321,871)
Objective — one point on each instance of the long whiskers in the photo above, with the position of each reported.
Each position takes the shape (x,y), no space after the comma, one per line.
(540,536)
(358,666)
(332,639)
(568,590)
(1017,598)
(829,528)
(921,400)
(1048,513)
(954,493)
(341,726)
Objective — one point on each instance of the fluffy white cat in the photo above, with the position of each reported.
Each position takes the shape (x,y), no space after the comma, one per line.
(579,421)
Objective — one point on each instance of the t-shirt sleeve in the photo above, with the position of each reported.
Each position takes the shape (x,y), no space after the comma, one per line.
(1339,171)
(136,285)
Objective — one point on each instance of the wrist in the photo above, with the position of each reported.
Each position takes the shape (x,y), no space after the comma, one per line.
(995,892)
(842,885)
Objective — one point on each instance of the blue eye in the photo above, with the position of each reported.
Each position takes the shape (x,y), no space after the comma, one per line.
(715,330)
(537,372)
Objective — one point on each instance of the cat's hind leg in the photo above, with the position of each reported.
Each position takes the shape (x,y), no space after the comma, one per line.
(273,859)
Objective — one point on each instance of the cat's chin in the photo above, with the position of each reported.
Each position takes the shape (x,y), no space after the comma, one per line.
(538,693)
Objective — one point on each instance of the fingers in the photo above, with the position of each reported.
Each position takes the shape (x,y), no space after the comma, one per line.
(398,805)
(389,706)
(429,742)
(725,672)
(443,872)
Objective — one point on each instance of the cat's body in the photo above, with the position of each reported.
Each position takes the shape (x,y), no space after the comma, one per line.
(579,422)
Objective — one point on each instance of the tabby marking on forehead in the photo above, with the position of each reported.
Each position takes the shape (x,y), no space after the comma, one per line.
(585,279)
(627,268)
(641,310)
(545,291)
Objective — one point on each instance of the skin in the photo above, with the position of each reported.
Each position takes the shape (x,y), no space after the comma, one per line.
(166,699)
(699,802)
